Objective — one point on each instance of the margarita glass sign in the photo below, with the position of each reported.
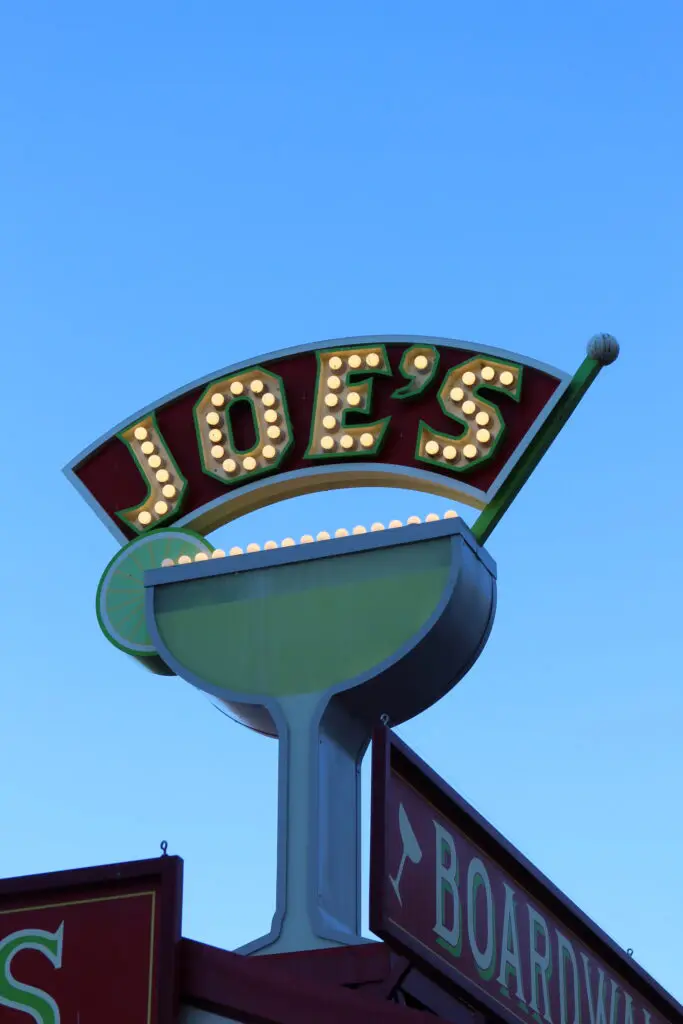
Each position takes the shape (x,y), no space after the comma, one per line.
(316,642)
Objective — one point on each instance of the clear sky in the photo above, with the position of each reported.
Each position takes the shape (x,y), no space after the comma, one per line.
(185,185)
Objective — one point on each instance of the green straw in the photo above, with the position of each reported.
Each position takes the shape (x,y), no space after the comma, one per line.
(603,349)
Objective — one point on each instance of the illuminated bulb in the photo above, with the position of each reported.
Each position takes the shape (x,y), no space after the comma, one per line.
(376,527)
(307,539)
(488,373)
(144,518)
(470,451)
(354,362)
(253,548)
(394,524)
(327,442)
(201,556)
(140,433)
(341,532)
(213,419)
(483,436)
(421,362)
(154,461)
(270,545)
(450,452)
(372,359)
(431,518)
(166,562)
(353,398)
(367,440)
(468,408)
(257,386)
(357,530)
(329,422)
(469,378)
(269,452)
(457,394)
(268,400)
(237,387)
(218,553)
(273,433)
(346,441)
(331,400)
(168,491)
(161,508)
(184,560)
(215,435)
(217,399)
(335,363)
(323,535)
(249,463)
(146,447)
(162,476)
(229,465)
(288,542)
(413,520)
(334,383)
(217,452)
(450,514)
(482,418)
(432,448)
(506,378)
(270,416)
(236,550)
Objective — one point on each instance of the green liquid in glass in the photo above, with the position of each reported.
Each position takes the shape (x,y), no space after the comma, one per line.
(303,627)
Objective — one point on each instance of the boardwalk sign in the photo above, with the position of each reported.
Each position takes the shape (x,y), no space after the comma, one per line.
(452,894)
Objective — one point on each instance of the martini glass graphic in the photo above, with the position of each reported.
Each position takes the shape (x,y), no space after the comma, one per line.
(313,644)
(412,850)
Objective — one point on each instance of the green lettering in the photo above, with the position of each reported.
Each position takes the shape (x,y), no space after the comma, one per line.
(16,995)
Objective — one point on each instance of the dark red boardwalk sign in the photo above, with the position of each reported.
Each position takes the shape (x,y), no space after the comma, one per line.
(92,945)
(451,894)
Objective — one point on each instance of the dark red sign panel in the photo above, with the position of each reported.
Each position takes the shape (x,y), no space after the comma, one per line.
(115,474)
(93,945)
(450,893)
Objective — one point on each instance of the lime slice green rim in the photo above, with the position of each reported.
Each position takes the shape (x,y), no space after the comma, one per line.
(143,553)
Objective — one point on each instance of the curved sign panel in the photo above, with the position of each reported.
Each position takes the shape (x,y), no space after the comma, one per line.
(429,414)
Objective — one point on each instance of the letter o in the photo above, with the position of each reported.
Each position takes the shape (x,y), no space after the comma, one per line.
(477,872)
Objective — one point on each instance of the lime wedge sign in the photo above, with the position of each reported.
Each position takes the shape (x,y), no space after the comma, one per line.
(120,594)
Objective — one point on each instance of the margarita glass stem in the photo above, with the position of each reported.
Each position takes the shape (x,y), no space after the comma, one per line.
(318,888)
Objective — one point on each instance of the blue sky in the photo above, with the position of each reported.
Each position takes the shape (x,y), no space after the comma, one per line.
(183,185)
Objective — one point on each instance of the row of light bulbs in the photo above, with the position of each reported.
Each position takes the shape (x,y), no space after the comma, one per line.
(307,538)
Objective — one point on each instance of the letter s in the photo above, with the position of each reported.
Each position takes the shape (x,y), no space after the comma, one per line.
(25,998)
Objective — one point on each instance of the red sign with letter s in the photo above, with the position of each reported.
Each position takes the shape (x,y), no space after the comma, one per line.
(91,945)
